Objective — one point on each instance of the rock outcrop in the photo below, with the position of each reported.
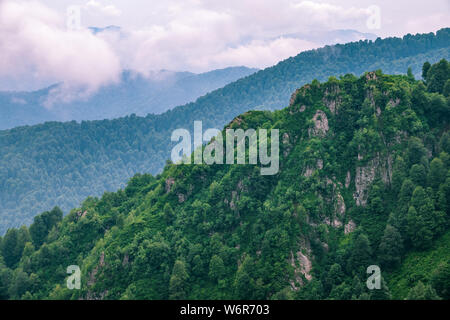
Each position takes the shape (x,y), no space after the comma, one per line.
(365,175)
(321,127)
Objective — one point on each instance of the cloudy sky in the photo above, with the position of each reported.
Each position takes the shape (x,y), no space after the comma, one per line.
(41,42)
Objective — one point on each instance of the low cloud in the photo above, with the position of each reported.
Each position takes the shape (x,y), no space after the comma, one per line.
(97,7)
(192,35)
(34,40)
(199,36)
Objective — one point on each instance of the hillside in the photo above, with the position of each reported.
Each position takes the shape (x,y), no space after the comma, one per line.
(62,163)
(134,93)
(364,180)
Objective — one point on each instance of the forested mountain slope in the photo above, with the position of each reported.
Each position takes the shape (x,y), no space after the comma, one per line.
(134,93)
(62,163)
(364,180)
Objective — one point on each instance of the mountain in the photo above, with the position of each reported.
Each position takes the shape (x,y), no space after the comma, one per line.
(62,163)
(363,181)
(134,93)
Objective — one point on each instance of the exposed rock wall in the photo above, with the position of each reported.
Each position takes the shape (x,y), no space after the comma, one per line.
(321,127)
(365,175)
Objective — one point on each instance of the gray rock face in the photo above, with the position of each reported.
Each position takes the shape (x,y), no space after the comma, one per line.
(332,99)
(349,227)
(348,179)
(302,266)
(365,175)
(363,178)
(321,127)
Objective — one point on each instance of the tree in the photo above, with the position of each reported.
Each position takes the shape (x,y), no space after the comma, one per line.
(438,110)
(437,76)
(406,193)
(360,254)
(419,234)
(12,246)
(397,218)
(419,99)
(422,292)
(19,285)
(391,247)
(426,67)
(410,74)
(437,173)
(399,174)
(381,294)
(6,276)
(284,294)
(424,204)
(415,150)
(446,92)
(441,280)
(375,204)
(444,143)
(341,292)
(444,197)
(178,281)
(216,268)
(335,275)
(43,224)
(418,175)
(243,283)
(423,222)
(357,288)
(169,215)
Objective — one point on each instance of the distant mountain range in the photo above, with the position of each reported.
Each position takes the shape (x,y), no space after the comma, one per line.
(135,93)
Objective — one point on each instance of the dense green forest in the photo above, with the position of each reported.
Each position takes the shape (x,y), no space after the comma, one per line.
(364,180)
(60,164)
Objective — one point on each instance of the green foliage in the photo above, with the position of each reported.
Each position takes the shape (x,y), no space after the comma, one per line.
(441,280)
(216,268)
(391,248)
(60,164)
(422,292)
(419,265)
(43,224)
(178,281)
(426,67)
(12,246)
(228,232)
(437,76)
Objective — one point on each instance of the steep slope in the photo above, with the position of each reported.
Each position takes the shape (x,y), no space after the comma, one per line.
(156,93)
(62,163)
(364,179)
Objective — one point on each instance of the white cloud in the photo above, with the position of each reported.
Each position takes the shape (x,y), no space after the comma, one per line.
(34,40)
(262,53)
(199,36)
(106,9)
(193,35)
(328,15)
